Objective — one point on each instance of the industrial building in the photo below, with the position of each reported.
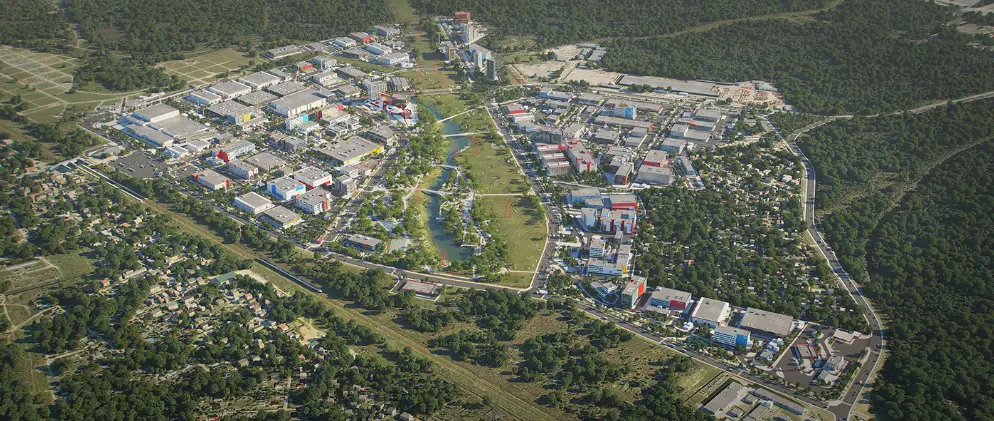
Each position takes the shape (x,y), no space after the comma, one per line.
(253,203)
(343,42)
(257,99)
(259,80)
(232,112)
(374,88)
(150,136)
(326,78)
(351,151)
(203,97)
(725,400)
(155,113)
(710,312)
(286,88)
(674,146)
(378,49)
(299,103)
(230,89)
(605,120)
(285,51)
(766,322)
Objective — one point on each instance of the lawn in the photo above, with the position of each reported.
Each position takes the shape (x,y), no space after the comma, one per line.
(521,225)
(492,168)
(204,68)
(72,265)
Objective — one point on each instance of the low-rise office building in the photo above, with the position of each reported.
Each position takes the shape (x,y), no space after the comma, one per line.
(661,176)
(362,243)
(242,169)
(253,203)
(314,202)
(710,312)
(285,188)
(281,217)
(212,180)
(203,97)
(633,291)
(312,177)
(730,336)
(235,150)
(670,298)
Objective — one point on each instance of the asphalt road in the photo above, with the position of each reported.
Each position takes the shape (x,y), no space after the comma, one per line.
(843,409)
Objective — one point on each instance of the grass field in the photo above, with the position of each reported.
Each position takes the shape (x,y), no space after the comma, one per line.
(521,225)
(203,68)
(43,81)
(493,168)
(72,265)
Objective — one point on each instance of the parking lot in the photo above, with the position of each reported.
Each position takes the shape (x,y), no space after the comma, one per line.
(802,372)
(139,165)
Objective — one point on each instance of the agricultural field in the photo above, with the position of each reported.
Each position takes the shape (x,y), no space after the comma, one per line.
(521,225)
(204,68)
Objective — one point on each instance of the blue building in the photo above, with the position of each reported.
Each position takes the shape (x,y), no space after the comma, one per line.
(731,336)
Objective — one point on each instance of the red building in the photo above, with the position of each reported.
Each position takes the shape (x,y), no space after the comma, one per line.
(461,17)
(623,201)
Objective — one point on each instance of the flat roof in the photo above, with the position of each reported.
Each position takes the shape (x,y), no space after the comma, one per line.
(151,134)
(181,127)
(211,176)
(350,149)
(257,98)
(766,321)
(231,88)
(314,196)
(281,214)
(254,199)
(286,88)
(229,107)
(623,122)
(669,294)
(690,87)
(285,183)
(709,309)
(728,330)
(725,398)
(155,111)
(311,173)
(364,240)
(297,100)
(265,161)
(205,95)
(260,78)
(422,288)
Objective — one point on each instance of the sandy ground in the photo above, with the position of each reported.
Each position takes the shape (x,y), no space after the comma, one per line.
(543,69)
(593,77)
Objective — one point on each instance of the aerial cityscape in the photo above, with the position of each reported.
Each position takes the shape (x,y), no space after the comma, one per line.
(452,210)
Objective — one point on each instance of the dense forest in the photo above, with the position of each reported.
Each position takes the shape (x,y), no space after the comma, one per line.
(30,23)
(909,200)
(930,264)
(182,25)
(861,57)
(555,22)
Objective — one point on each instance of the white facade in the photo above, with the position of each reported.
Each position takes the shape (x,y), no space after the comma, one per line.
(253,203)
(710,312)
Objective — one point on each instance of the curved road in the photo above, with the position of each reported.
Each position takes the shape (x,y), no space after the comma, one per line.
(843,409)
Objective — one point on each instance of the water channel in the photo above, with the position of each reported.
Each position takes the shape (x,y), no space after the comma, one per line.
(449,247)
